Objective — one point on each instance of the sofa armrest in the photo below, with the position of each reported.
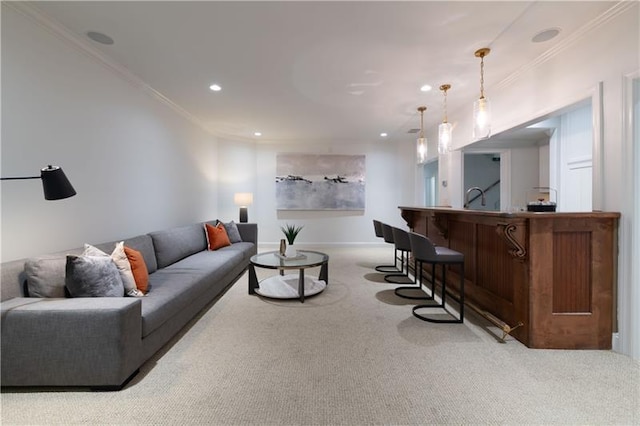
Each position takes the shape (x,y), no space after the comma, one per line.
(70,342)
(248,232)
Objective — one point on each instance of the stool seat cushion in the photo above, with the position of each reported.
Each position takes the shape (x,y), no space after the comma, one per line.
(447,255)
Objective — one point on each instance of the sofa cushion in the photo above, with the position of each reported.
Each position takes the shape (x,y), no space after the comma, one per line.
(138,268)
(142,243)
(232,231)
(121,261)
(216,236)
(45,276)
(246,249)
(176,286)
(175,244)
(93,276)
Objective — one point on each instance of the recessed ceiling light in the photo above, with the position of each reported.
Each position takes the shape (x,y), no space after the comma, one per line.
(546,35)
(99,37)
(215,87)
(425,88)
(383,135)
(257,134)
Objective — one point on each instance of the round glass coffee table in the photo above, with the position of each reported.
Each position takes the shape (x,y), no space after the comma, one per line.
(289,286)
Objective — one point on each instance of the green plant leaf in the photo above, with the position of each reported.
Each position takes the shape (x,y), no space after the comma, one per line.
(291,232)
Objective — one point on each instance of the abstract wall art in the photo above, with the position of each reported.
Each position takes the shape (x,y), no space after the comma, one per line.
(320,182)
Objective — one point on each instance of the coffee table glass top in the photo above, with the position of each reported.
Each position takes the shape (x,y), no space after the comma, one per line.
(305,259)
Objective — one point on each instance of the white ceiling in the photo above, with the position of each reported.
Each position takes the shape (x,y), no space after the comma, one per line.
(320,71)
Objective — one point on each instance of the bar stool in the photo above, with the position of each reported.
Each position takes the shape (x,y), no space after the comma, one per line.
(424,251)
(403,246)
(403,242)
(379,228)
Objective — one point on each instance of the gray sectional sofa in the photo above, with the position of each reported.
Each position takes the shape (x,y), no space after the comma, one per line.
(101,342)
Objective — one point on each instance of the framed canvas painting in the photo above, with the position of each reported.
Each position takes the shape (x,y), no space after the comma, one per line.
(320,182)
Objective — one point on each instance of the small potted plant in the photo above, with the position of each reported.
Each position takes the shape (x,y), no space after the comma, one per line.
(291,232)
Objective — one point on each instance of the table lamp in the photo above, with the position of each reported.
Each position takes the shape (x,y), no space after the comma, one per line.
(243,199)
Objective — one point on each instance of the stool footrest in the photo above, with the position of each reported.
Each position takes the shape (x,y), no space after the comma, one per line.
(404,279)
(409,288)
(452,320)
(387,268)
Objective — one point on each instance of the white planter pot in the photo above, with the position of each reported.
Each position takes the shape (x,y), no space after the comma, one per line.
(291,251)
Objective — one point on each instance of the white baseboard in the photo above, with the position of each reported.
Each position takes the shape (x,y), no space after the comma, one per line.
(310,246)
(615,342)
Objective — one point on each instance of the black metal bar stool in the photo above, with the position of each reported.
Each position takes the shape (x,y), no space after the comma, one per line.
(403,246)
(424,251)
(403,242)
(379,228)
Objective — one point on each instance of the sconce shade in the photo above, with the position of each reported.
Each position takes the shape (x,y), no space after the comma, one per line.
(55,184)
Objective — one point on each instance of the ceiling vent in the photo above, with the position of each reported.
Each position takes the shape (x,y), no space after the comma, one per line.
(413,130)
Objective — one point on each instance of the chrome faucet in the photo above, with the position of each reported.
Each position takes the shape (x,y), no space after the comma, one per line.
(483,201)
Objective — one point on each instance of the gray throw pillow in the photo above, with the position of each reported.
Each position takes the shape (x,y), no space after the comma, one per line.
(232,231)
(45,276)
(93,276)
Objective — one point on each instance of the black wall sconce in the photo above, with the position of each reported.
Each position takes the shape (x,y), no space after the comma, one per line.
(55,184)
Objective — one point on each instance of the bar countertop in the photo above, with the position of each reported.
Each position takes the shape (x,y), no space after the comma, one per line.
(518,214)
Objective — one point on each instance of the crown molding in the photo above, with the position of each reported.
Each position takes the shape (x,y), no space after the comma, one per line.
(613,12)
(84,47)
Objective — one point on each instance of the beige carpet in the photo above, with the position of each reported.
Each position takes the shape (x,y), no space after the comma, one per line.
(353,354)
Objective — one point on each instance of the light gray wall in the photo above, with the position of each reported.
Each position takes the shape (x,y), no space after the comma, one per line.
(525,174)
(137,165)
(390,172)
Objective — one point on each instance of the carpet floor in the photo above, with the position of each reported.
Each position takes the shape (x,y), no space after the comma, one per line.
(354,354)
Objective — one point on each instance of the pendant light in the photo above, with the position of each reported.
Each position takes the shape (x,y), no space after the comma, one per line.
(422,141)
(444,129)
(482,107)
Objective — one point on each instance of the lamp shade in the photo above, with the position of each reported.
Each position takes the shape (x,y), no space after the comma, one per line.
(421,142)
(481,119)
(444,138)
(55,184)
(243,199)
(421,150)
(482,107)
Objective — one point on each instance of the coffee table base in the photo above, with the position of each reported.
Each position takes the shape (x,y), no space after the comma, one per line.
(286,286)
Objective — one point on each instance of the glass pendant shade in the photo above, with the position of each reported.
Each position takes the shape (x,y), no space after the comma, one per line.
(421,147)
(481,118)
(421,143)
(444,138)
(481,107)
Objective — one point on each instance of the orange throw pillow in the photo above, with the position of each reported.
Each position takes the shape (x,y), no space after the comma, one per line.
(139,269)
(217,236)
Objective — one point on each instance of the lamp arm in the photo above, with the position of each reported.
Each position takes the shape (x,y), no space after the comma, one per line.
(20,178)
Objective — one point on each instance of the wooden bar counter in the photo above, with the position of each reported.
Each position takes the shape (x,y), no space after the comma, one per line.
(554,273)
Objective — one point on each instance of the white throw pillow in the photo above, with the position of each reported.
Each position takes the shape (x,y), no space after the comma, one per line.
(119,257)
